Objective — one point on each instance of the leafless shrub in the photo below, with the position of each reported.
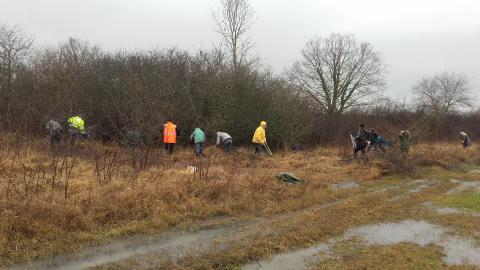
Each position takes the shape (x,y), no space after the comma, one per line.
(394,162)
(105,166)
(68,163)
(201,168)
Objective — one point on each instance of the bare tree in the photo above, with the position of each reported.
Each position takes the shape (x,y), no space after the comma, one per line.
(234,19)
(442,93)
(14,47)
(338,73)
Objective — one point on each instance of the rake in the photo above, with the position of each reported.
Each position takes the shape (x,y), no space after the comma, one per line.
(269,151)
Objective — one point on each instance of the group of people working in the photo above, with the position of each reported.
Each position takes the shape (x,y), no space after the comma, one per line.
(364,142)
(368,139)
(77,131)
(224,140)
(171,132)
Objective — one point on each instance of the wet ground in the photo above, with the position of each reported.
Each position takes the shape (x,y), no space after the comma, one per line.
(297,259)
(176,244)
(457,250)
(345,185)
(463,186)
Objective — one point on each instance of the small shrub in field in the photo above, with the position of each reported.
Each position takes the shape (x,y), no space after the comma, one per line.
(394,162)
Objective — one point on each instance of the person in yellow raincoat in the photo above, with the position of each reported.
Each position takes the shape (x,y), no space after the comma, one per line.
(259,138)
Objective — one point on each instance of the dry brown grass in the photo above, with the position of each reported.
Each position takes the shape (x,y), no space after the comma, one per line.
(441,155)
(109,195)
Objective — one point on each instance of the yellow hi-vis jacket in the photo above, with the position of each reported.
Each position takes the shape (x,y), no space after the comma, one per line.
(259,136)
(77,122)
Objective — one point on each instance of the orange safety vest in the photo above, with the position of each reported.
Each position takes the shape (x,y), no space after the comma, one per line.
(169,133)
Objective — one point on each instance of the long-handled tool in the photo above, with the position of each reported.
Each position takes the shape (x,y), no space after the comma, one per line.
(269,151)
(354,144)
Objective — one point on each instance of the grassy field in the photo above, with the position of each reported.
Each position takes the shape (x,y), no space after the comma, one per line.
(60,202)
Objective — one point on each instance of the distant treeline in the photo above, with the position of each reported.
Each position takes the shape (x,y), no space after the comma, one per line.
(142,90)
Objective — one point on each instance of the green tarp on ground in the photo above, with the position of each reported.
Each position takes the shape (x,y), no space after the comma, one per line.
(288,178)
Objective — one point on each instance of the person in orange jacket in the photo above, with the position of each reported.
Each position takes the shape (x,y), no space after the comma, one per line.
(170,134)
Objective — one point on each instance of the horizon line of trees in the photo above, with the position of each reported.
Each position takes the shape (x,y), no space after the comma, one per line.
(338,84)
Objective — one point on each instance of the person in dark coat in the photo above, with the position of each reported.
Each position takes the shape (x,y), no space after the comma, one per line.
(361,141)
(465,139)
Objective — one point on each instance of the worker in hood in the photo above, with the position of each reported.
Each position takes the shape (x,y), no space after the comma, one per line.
(405,142)
(198,138)
(259,137)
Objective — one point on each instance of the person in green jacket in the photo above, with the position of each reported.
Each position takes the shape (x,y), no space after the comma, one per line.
(405,142)
(198,137)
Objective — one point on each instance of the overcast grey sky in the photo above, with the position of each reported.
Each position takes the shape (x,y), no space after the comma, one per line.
(416,37)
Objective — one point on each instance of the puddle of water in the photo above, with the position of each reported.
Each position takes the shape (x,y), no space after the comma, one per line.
(460,251)
(420,181)
(295,260)
(450,210)
(386,189)
(418,186)
(173,244)
(345,185)
(423,185)
(464,186)
(457,250)
(418,232)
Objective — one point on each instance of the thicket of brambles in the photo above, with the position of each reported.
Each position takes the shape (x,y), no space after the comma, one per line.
(143,89)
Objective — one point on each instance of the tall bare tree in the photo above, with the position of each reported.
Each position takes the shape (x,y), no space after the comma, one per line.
(14,47)
(442,93)
(338,73)
(233,20)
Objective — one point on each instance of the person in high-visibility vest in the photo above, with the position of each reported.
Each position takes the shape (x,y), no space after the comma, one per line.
(170,133)
(77,128)
(259,137)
